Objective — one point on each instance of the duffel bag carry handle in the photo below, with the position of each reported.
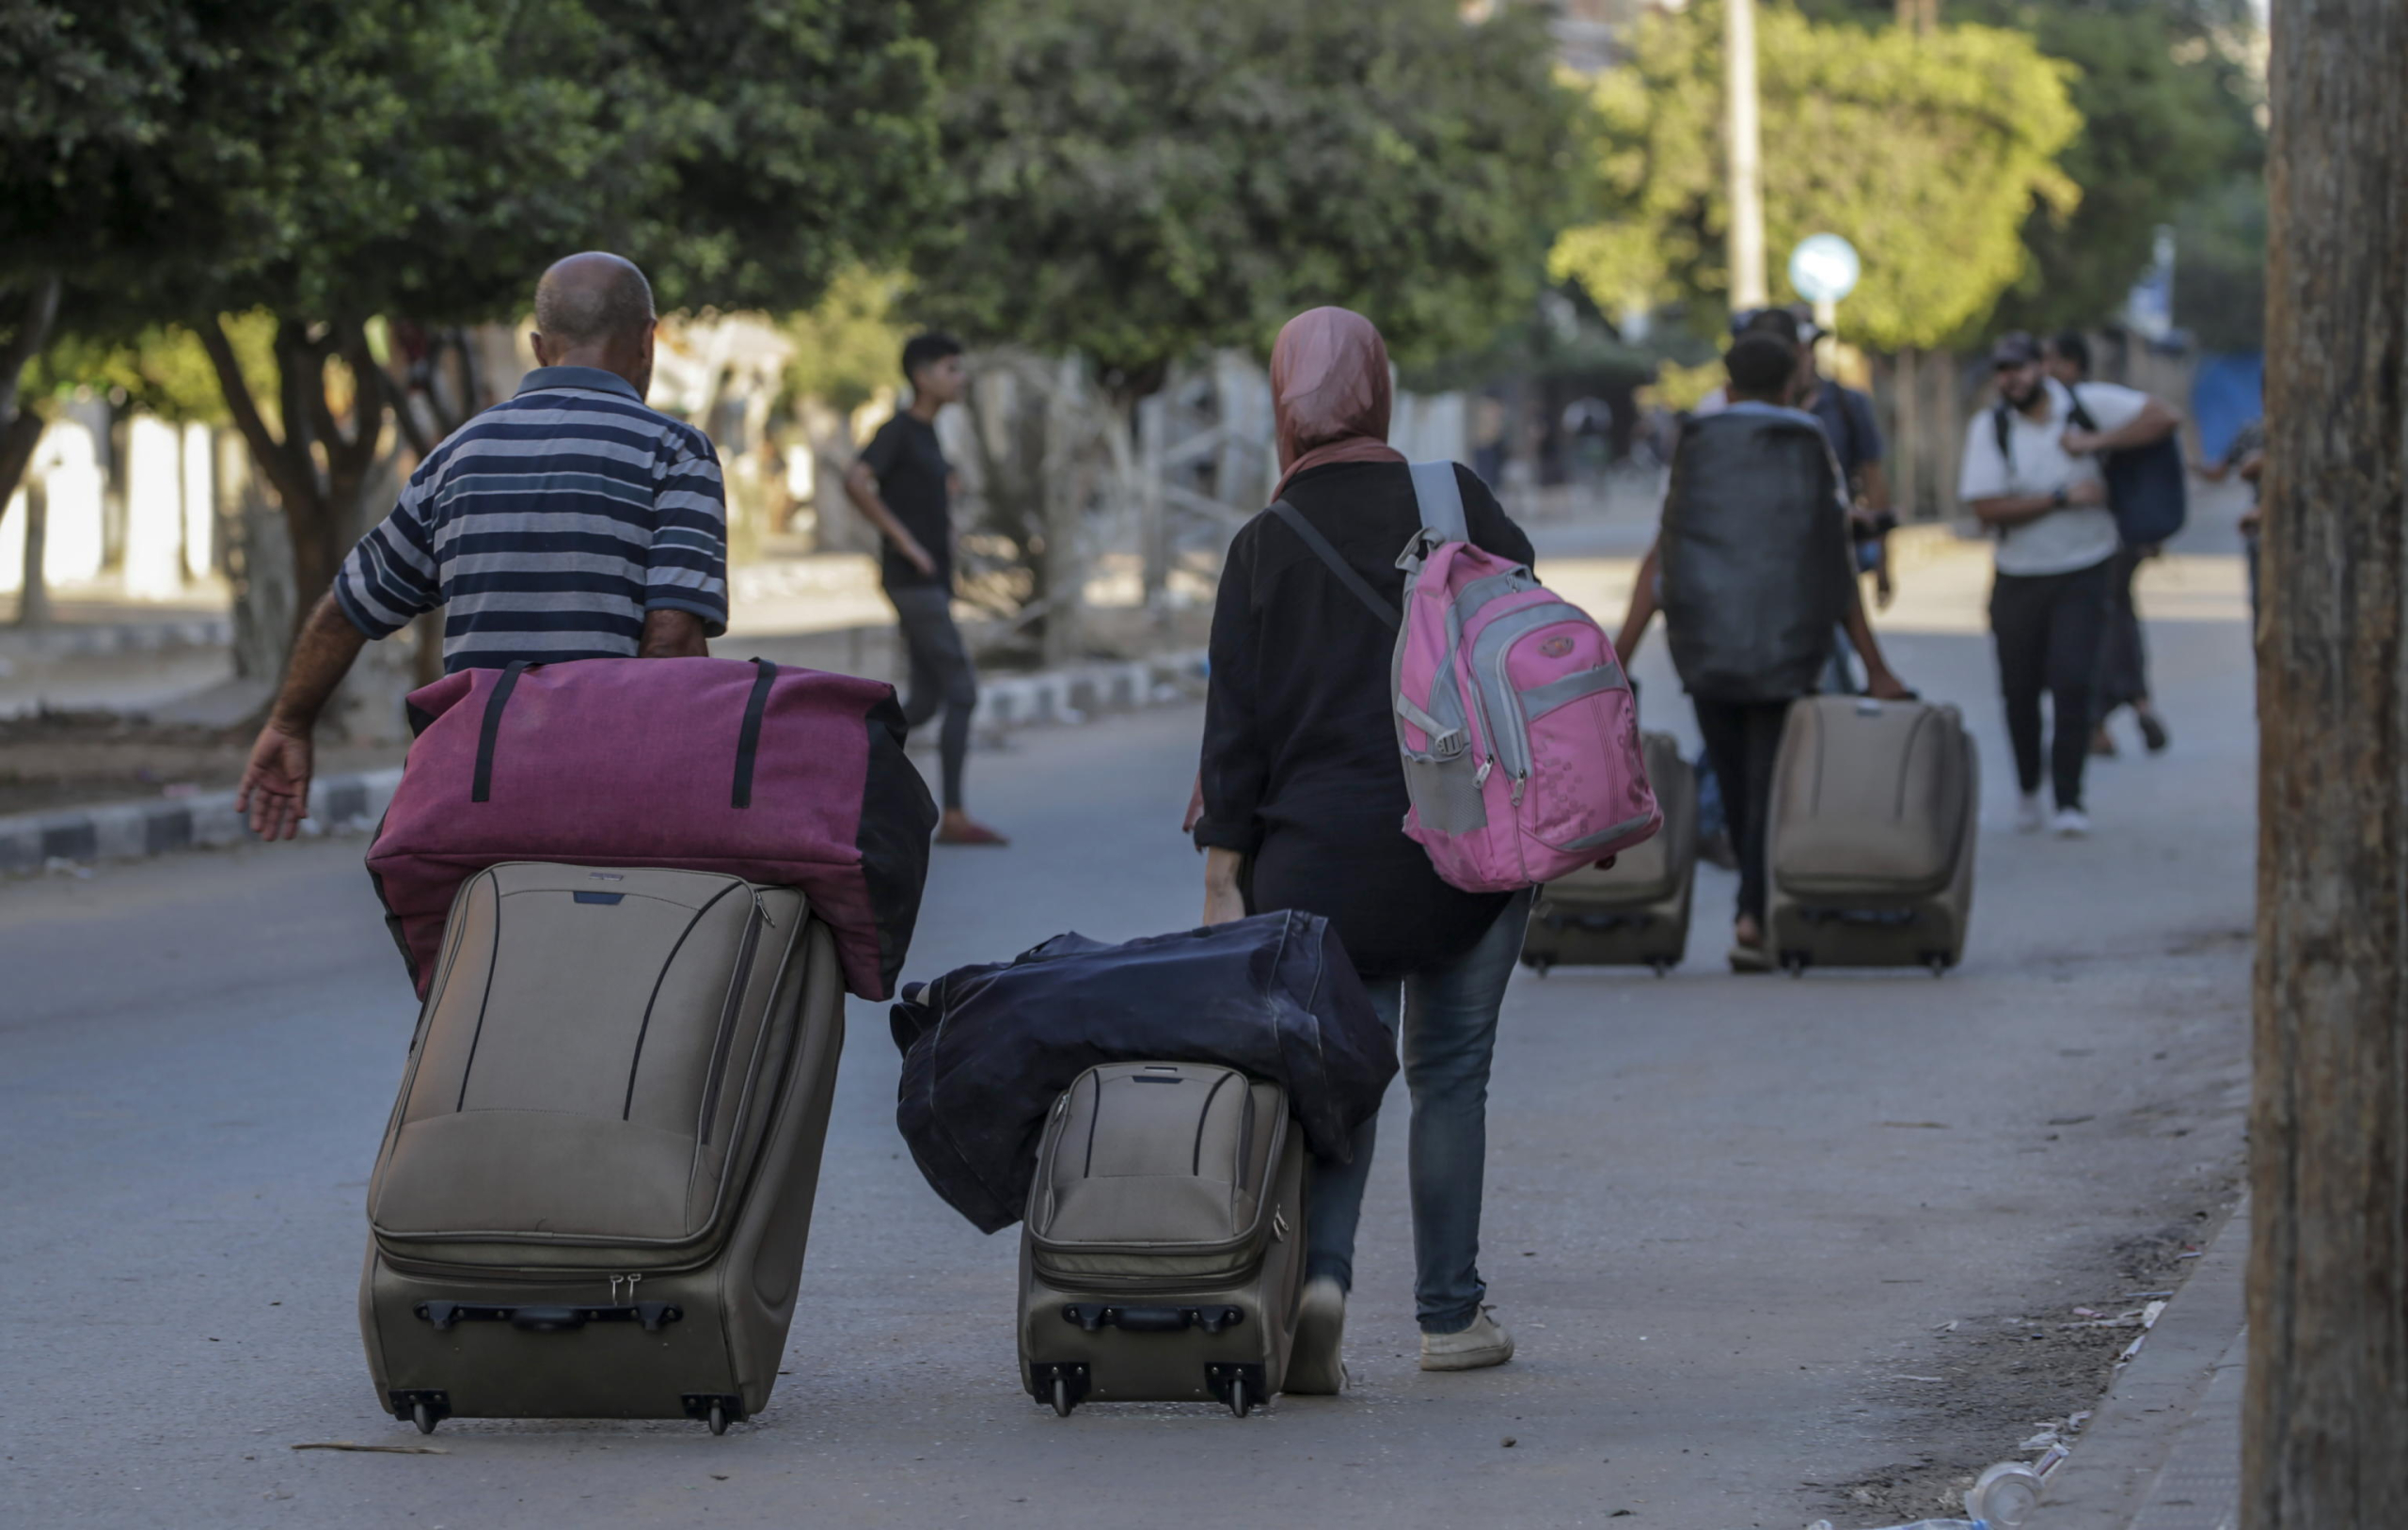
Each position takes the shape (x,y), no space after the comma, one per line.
(482,789)
(748,742)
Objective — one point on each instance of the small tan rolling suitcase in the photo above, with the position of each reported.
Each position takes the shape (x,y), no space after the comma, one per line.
(1636,914)
(1870,843)
(1163,1254)
(595,1188)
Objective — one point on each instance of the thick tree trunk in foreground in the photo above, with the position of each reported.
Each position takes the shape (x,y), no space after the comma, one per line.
(2327,1413)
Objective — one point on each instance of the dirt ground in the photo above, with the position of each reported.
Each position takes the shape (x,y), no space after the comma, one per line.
(2000,1388)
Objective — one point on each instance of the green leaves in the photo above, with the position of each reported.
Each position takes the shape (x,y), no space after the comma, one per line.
(427,158)
(1140,180)
(1927,154)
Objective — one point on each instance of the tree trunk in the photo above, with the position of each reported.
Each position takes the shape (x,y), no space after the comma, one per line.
(1906,495)
(2327,1403)
(319,467)
(20,433)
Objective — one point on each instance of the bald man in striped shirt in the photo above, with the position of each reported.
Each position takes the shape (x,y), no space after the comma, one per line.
(569,521)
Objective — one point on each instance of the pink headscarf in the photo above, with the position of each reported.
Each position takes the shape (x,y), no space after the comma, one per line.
(1329,392)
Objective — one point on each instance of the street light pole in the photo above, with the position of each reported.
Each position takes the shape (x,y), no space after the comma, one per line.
(1745,145)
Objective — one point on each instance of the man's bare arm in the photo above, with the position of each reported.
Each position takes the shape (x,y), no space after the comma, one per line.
(861,487)
(1642,607)
(2157,420)
(1873,489)
(276,784)
(2015,508)
(672,635)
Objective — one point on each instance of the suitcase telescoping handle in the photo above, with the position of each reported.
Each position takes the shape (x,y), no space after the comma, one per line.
(1092,1315)
(748,741)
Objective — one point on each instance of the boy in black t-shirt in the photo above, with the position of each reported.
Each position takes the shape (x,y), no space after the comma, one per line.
(902,482)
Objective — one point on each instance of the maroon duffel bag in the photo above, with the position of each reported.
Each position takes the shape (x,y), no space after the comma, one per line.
(782,775)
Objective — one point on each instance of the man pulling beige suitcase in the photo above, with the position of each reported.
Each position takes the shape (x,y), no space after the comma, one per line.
(595,1192)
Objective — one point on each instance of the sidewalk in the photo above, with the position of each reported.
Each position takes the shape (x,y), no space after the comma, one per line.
(2164,1452)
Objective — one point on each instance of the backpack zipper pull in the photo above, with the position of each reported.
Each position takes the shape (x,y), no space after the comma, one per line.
(1481,779)
(1519,782)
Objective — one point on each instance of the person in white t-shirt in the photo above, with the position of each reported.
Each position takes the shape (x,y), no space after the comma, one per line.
(2031,475)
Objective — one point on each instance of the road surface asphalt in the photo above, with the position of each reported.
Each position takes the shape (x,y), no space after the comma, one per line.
(1772,1249)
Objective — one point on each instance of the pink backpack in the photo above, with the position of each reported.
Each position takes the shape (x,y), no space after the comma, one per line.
(1518,727)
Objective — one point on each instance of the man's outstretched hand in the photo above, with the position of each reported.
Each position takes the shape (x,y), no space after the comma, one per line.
(1886,686)
(275,785)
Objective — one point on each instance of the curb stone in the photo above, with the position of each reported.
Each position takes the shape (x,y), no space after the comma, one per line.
(79,640)
(1070,695)
(130,830)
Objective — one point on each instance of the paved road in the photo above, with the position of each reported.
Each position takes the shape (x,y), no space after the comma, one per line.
(1729,1218)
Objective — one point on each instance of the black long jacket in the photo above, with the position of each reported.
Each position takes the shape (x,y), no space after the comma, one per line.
(1300,765)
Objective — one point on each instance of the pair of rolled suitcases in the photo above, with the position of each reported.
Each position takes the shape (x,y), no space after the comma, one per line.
(597,1186)
(1869,850)
(631,894)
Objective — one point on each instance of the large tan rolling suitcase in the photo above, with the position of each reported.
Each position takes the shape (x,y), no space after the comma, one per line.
(1636,913)
(1163,1254)
(1869,848)
(595,1188)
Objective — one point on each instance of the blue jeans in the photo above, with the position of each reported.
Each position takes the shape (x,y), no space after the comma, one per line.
(1446,1020)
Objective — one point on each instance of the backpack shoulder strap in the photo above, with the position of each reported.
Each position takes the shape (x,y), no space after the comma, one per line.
(2004,428)
(2077,416)
(1440,498)
(1336,564)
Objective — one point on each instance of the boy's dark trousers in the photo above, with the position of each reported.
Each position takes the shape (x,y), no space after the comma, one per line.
(2048,627)
(1742,739)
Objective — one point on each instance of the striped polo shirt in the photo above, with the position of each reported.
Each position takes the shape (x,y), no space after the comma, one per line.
(547,527)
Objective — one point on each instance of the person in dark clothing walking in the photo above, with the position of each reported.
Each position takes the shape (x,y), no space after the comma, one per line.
(1305,801)
(2123,657)
(2031,475)
(1741,715)
(902,482)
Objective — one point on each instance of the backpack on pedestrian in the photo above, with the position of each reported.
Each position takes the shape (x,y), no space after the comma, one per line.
(1519,733)
(2148,487)
(1755,576)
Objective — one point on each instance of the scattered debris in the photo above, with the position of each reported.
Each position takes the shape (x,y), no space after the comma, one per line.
(373,1450)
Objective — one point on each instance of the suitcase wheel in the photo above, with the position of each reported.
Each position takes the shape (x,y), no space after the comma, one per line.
(715,1409)
(1662,966)
(1240,1403)
(1239,1386)
(425,1408)
(1064,1384)
(1937,961)
(1794,963)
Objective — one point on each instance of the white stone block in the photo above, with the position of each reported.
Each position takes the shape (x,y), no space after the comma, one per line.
(155,509)
(200,502)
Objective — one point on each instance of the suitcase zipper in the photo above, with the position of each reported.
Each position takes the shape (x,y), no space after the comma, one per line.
(735,987)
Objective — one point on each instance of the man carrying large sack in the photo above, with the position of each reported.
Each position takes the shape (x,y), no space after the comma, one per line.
(1754,573)
(569,521)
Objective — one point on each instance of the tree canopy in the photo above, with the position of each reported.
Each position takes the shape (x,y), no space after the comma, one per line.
(1926,153)
(2170,110)
(423,160)
(1142,181)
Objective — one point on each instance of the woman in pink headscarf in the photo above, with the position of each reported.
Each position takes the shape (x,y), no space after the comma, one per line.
(1304,804)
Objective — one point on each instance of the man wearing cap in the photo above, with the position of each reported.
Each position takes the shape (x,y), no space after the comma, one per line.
(2032,476)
